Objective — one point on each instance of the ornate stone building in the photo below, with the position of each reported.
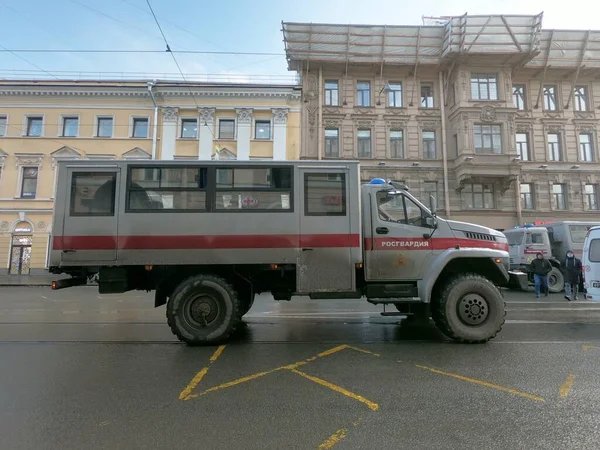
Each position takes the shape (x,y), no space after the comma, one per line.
(43,121)
(493,114)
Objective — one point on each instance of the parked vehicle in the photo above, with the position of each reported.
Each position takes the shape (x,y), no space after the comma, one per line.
(591,264)
(208,236)
(553,239)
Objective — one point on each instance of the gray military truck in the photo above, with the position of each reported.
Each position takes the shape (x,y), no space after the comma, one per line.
(207,236)
(553,239)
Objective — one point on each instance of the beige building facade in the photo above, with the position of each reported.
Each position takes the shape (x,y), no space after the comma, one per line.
(42,122)
(495,116)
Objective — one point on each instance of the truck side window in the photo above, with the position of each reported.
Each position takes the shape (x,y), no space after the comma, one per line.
(535,238)
(399,208)
(93,194)
(324,194)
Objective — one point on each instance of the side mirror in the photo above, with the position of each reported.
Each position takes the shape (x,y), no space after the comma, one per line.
(432,205)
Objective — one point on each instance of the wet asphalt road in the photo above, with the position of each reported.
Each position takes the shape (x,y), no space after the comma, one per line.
(87,371)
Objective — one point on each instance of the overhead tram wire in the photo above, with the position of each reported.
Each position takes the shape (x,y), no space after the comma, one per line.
(181,72)
(90,50)
(4,49)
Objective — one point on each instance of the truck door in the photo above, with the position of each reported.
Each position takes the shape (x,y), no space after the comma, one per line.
(536,242)
(90,225)
(325,257)
(398,237)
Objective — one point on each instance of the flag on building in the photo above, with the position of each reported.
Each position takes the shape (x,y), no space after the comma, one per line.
(217,151)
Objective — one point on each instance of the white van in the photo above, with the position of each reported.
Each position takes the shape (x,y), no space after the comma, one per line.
(591,264)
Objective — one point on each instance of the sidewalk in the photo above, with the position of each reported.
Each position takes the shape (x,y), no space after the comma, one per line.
(30,280)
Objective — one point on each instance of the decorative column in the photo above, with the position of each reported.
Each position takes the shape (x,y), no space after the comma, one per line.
(206,120)
(280,116)
(244,132)
(169,132)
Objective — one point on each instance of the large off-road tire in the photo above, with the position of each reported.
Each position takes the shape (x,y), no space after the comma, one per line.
(469,309)
(203,309)
(556,280)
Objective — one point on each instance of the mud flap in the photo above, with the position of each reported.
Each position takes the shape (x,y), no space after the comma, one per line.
(518,280)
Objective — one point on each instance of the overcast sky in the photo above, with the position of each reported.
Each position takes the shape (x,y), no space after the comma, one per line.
(226,25)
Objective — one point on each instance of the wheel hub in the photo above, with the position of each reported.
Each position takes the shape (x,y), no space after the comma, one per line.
(203,310)
(473,309)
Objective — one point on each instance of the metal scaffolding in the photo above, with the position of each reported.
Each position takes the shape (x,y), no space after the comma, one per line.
(519,38)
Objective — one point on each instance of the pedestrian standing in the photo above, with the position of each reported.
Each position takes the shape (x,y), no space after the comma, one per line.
(540,267)
(571,267)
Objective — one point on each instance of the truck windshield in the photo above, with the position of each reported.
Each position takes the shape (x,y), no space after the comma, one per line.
(515,238)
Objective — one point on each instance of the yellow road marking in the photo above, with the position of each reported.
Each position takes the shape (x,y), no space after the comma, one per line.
(333,350)
(334,439)
(590,347)
(362,350)
(566,386)
(234,382)
(484,383)
(186,394)
(372,405)
(217,353)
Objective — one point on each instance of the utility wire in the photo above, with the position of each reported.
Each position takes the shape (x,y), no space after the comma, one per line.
(192,52)
(4,49)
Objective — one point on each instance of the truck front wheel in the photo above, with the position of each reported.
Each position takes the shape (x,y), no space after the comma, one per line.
(556,280)
(203,309)
(469,309)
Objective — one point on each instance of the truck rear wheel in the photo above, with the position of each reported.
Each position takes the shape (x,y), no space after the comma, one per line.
(556,280)
(203,309)
(469,309)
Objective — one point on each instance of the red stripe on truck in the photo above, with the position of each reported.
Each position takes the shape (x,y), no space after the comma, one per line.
(200,242)
(431,244)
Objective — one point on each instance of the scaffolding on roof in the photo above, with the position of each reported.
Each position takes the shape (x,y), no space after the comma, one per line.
(519,38)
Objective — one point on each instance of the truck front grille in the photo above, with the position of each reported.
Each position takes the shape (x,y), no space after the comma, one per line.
(479,236)
(511,260)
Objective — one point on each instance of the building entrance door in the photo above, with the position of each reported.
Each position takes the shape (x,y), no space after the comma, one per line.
(20,255)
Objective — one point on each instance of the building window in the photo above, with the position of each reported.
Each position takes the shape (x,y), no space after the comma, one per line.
(554,150)
(395,95)
(488,138)
(325,194)
(105,127)
(527,196)
(140,127)
(332,143)
(519,96)
(93,194)
(3,120)
(591,197)
(332,92)
(429,145)
(396,144)
(426,95)
(550,98)
(478,196)
(559,200)
(70,126)
(523,146)
(364,143)
(363,93)
(262,129)
(581,98)
(484,86)
(34,126)
(29,182)
(189,128)
(226,128)
(431,188)
(586,147)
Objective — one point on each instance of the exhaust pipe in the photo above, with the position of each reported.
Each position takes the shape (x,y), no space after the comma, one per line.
(69,282)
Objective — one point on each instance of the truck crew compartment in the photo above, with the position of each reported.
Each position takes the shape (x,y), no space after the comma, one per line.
(265,218)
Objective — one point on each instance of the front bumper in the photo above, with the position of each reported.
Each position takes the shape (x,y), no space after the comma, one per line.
(518,280)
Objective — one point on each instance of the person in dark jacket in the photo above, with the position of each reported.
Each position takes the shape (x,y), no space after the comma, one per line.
(571,267)
(540,267)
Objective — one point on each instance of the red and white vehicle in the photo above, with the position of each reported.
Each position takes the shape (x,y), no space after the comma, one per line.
(208,236)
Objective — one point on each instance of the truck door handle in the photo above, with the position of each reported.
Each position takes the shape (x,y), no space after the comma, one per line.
(69,251)
(306,249)
(382,230)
